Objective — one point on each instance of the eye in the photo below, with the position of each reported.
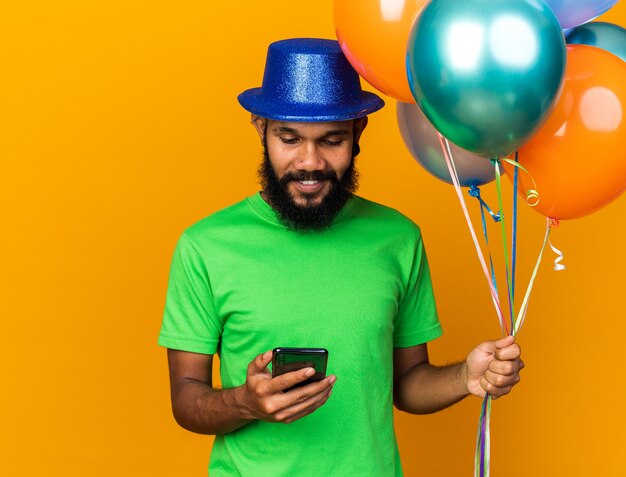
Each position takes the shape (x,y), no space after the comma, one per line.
(332,143)
(289,140)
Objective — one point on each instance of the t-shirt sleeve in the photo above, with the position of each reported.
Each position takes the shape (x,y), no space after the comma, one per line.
(190,322)
(417,321)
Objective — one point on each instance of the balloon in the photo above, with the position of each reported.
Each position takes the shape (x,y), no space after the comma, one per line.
(373,36)
(486,73)
(607,36)
(567,31)
(422,140)
(571,13)
(578,158)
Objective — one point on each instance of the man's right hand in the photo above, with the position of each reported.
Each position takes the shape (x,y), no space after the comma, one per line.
(262,396)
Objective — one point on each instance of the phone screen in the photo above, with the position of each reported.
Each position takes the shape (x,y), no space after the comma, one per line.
(286,360)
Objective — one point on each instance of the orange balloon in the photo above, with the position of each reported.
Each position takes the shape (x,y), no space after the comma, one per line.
(373,35)
(578,158)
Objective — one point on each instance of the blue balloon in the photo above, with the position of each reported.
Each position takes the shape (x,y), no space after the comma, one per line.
(572,13)
(607,36)
(486,73)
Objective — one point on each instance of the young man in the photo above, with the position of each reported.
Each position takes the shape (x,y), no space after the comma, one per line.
(305,263)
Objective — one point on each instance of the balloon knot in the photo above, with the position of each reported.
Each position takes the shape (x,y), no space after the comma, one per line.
(474,191)
(554,223)
(495,161)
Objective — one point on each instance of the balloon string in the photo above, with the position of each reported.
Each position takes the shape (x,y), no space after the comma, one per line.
(550,224)
(505,247)
(480,439)
(514,229)
(482,454)
(532,196)
(445,146)
(488,437)
(557,265)
(475,192)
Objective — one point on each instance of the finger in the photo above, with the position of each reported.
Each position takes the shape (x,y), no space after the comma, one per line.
(500,392)
(493,390)
(278,403)
(287,380)
(486,348)
(504,342)
(304,407)
(510,352)
(260,363)
(506,368)
(499,381)
(300,394)
(491,347)
(306,412)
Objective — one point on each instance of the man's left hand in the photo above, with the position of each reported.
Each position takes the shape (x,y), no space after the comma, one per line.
(493,368)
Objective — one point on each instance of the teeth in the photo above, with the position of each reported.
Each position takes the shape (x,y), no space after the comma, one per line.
(308,182)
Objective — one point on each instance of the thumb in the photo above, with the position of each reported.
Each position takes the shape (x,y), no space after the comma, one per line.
(489,348)
(504,342)
(260,363)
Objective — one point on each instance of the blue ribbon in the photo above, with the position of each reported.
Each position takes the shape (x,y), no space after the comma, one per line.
(475,192)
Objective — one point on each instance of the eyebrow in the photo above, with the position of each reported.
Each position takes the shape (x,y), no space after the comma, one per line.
(333,132)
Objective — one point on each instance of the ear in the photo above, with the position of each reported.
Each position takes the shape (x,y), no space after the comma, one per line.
(259,124)
(359,126)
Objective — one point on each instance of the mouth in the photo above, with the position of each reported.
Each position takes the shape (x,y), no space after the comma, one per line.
(309,186)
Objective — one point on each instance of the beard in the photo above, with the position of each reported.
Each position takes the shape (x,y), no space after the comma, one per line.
(311,216)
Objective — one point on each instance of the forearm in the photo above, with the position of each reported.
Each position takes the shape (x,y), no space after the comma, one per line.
(202,409)
(426,388)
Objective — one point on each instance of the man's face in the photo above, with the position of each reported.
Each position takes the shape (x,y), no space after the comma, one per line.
(309,150)
(308,171)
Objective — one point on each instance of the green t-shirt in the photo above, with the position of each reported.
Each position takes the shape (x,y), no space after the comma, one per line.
(241,283)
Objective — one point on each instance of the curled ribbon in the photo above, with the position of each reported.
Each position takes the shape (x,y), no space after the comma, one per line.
(550,224)
(532,196)
(554,223)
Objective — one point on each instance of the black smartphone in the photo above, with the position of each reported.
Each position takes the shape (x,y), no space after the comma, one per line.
(285,360)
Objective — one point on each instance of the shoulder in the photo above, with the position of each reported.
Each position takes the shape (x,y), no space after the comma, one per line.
(385,216)
(219,222)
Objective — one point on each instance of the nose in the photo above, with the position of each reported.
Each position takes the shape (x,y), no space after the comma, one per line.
(310,158)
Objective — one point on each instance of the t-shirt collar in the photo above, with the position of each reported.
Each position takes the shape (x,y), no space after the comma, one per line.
(266,211)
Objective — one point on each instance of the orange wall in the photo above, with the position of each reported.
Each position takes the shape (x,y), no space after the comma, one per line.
(119,127)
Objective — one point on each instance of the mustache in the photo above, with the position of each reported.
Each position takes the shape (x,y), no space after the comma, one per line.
(309,176)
